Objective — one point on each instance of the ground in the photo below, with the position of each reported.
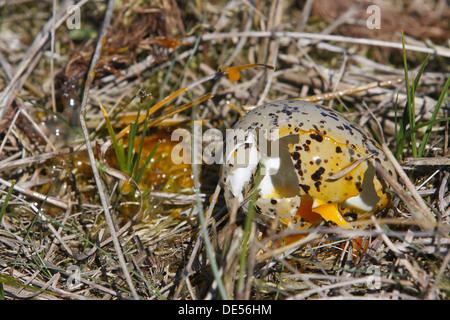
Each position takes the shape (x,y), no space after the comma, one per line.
(80,222)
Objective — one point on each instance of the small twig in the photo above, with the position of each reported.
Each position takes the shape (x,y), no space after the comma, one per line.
(429,161)
(442,190)
(5,138)
(348,169)
(271,73)
(380,129)
(36,195)
(36,159)
(423,213)
(288,249)
(204,231)
(98,181)
(52,57)
(440,51)
(306,12)
(37,128)
(242,40)
(320,289)
(60,239)
(338,94)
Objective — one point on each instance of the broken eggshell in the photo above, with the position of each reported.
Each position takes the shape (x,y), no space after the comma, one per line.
(314,163)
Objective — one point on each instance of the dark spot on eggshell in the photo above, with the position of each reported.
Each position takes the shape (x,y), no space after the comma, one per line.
(316,137)
(326,114)
(317,185)
(349,129)
(318,174)
(305,187)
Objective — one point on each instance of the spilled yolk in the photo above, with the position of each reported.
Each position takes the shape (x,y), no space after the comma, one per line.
(331,212)
(305,210)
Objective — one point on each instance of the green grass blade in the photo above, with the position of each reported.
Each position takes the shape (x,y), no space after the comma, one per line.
(120,153)
(428,123)
(398,129)
(409,112)
(5,203)
(433,117)
(413,94)
(139,151)
(150,156)
(247,229)
(205,236)
(132,137)
(419,74)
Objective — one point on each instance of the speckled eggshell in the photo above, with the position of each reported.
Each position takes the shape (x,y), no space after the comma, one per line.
(315,144)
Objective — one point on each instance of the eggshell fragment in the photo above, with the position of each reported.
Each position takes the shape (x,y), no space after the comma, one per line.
(315,163)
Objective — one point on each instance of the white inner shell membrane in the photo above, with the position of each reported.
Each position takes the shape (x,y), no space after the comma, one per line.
(244,168)
(368,198)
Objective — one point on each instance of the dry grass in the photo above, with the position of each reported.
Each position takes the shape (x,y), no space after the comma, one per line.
(55,233)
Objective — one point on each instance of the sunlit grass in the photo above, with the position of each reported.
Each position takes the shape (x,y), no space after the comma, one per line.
(128,157)
(406,128)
